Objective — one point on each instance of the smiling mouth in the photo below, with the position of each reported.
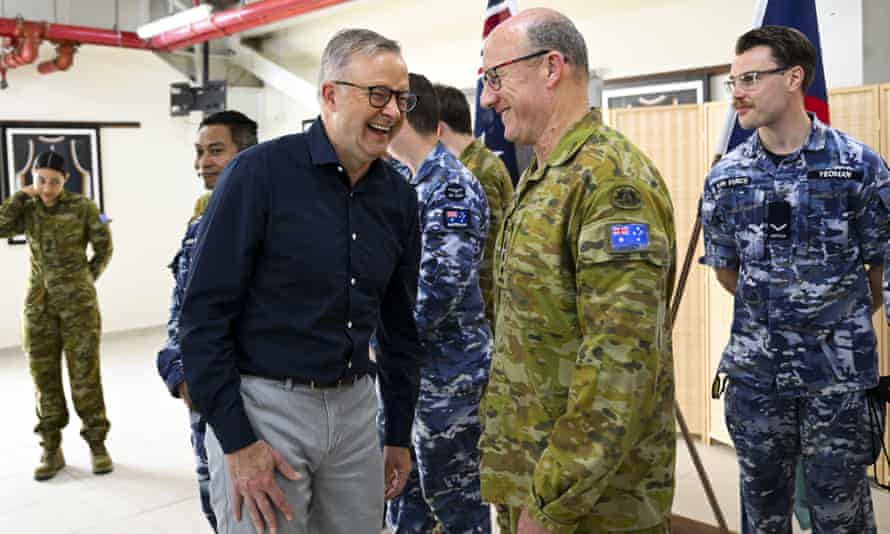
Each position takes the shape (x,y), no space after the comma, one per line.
(379,128)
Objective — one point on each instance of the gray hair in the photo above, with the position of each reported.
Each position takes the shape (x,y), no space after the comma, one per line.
(556,32)
(346,43)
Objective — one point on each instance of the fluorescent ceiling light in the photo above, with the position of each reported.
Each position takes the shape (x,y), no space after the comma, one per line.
(177,20)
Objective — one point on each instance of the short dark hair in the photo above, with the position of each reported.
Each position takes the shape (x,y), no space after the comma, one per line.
(454,110)
(50,160)
(424,118)
(789,47)
(242,128)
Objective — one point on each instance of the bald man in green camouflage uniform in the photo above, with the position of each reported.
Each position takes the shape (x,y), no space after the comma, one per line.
(578,417)
(62,313)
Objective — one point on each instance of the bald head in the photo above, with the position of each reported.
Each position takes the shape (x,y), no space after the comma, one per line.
(546,29)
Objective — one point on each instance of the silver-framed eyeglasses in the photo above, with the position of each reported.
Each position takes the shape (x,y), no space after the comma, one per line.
(380,95)
(747,81)
(493,79)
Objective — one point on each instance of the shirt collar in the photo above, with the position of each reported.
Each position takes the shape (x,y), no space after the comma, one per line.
(430,163)
(753,147)
(572,141)
(321,152)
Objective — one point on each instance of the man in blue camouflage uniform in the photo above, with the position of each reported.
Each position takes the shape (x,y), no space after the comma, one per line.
(220,137)
(444,486)
(795,220)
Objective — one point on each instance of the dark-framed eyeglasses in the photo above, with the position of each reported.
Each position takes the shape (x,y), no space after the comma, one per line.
(379,95)
(493,79)
(747,81)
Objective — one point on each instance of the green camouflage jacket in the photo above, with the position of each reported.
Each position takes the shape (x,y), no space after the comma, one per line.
(495,179)
(578,417)
(57,238)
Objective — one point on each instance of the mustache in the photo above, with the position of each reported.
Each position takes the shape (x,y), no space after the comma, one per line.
(738,102)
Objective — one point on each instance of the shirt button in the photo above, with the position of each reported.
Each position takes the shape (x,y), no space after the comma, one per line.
(339,168)
(348,324)
(354,236)
(352,281)
(349,364)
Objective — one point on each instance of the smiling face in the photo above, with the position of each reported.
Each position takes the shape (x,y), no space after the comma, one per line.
(770,98)
(522,98)
(49,184)
(359,132)
(214,148)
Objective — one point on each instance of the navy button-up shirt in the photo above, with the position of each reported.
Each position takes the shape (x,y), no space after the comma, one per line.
(293,270)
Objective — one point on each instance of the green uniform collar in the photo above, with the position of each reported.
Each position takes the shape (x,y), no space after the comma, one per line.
(569,145)
(472,149)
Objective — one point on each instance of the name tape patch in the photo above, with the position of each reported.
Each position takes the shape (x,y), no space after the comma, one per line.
(735,181)
(629,237)
(837,173)
(456,218)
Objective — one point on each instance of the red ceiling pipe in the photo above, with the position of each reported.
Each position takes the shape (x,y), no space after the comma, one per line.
(27,39)
(80,34)
(77,34)
(236,20)
(63,60)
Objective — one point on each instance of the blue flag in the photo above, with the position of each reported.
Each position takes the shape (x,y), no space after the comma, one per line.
(801,15)
(488,123)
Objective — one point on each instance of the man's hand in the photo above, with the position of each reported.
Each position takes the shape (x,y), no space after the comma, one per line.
(30,190)
(527,525)
(183,391)
(252,470)
(396,468)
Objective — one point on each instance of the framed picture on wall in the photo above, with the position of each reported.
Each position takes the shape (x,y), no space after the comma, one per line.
(660,90)
(78,146)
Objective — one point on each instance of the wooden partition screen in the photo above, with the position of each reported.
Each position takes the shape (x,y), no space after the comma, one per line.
(671,137)
(681,140)
(858,112)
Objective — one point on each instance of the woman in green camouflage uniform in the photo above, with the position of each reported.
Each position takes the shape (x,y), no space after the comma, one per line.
(61,310)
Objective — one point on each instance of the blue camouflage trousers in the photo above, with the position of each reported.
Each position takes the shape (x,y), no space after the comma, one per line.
(442,493)
(833,435)
(199,430)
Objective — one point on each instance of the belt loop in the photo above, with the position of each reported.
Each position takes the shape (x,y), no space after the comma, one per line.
(289,384)
(312,384)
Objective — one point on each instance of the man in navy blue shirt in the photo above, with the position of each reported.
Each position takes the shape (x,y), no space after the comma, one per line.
(310,241)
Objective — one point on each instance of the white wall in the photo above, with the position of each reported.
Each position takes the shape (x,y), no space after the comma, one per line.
(149,184)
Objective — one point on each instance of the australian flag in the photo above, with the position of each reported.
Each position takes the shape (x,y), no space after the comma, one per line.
(488,123)
(801,15)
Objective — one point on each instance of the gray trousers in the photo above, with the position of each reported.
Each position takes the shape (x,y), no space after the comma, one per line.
(329,437)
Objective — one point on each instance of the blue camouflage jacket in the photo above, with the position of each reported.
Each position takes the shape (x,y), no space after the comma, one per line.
(800,235)
(170,357)
(450,312)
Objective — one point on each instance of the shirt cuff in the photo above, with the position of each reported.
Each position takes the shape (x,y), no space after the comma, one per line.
(719,262)
(233,430)
(174,378)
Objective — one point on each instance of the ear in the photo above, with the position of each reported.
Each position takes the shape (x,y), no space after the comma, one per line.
(555,63)
(795,78)
(328,96)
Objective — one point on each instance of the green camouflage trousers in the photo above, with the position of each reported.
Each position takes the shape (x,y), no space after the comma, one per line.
(508,523)
(75,327)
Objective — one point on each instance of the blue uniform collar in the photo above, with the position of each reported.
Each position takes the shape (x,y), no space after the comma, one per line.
(430,163)
(753,148)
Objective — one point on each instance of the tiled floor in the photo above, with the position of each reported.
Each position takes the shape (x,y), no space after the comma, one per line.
(153,490)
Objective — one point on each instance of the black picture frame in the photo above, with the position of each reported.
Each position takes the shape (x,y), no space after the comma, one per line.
(78,144)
